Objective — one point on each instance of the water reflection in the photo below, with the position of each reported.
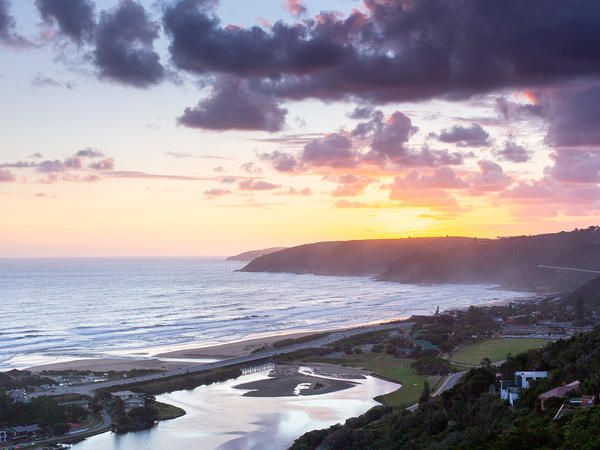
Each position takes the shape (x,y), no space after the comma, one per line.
(219,417)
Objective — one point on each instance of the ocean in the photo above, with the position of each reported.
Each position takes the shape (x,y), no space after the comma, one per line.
(59,309)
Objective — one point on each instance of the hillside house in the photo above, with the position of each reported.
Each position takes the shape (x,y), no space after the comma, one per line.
(510,390)
(131,400)
(557,392)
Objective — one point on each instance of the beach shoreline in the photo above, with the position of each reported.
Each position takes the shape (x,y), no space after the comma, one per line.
(194,354)
(187,357)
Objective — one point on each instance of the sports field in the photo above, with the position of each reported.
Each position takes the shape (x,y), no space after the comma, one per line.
(494,349)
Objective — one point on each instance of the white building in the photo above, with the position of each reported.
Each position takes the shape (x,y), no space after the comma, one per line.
(130,399)
(510,390)
(522,379)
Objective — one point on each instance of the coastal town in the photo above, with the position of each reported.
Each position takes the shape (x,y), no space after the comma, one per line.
(432,352)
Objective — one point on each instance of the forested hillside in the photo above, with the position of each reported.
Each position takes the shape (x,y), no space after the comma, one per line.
(472,416)
(512,262)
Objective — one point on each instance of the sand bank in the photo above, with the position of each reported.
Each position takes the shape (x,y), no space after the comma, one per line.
(291,380)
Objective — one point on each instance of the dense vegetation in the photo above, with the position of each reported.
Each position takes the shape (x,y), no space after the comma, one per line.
(20,379)
(472,416)
(43,411)
(511,262)
(183,382)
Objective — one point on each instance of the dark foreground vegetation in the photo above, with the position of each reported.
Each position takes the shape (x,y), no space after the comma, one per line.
(472,416)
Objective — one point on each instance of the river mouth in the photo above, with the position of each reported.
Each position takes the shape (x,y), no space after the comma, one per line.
(221,417)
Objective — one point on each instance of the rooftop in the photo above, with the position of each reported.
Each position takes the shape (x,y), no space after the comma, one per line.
(560,391)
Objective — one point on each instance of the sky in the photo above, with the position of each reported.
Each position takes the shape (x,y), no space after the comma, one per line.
(205,127)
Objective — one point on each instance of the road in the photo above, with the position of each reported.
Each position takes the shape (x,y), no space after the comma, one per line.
(88,389)
(99,428)
(448,383)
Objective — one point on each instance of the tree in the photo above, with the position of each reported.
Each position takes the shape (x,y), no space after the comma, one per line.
(424,398)
(579,311)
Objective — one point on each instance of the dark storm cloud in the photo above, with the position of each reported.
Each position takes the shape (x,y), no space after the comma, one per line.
(575,166)
(124,46)
(518,111)
(200,44)
(233,106)
(397,51)
(381,141)
(75,18)
(389,137)
(334,150)
(361,112)
(8,35)
(576,119)
(473,136)
(7,22)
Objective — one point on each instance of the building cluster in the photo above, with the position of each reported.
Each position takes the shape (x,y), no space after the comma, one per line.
(546,330)
(510,391)
(20,434)
(18,396)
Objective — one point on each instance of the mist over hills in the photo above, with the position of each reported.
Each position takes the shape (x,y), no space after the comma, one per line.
(511,262)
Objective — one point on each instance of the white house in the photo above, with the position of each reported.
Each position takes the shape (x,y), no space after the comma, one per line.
(522,379)
(510,390)
(130,399)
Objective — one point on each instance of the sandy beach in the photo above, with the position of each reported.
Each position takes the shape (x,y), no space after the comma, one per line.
(233,349)
(163,361)
(116,364)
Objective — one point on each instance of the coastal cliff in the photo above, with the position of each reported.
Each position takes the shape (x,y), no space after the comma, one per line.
(249,256)
(512,262)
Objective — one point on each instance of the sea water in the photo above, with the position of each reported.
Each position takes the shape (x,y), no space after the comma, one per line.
(59,309)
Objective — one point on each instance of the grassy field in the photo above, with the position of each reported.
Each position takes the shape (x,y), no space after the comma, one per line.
(397,369)
(166,412)
(495,349)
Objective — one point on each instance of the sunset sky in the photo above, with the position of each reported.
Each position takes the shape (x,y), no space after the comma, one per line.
(204,127)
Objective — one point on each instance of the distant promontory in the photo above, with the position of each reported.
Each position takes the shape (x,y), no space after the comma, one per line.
(543,262)
(249,256)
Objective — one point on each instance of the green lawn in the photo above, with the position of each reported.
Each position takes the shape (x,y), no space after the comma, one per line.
(167,412)
(495,349)
(397,369)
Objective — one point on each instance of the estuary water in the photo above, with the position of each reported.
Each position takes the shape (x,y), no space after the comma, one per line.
(58,309)
(220,417)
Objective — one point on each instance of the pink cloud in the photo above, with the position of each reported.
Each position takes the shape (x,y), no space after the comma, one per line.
(256,185)
(295,7)
(6,176)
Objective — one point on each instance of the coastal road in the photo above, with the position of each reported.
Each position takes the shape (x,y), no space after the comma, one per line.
(88,389)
